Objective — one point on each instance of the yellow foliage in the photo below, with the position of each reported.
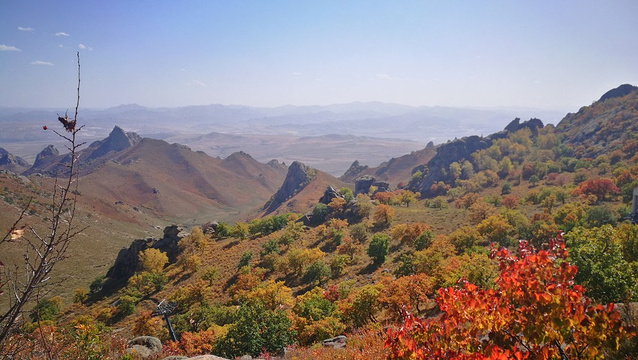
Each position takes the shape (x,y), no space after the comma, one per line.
(153,260)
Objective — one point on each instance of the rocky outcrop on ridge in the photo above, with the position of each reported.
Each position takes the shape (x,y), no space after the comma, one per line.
(462,149)
(11,162)
(353,171)
(117,140)
(299,175)
(128,262)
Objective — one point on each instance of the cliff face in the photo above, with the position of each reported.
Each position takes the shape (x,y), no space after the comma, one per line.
(299,175)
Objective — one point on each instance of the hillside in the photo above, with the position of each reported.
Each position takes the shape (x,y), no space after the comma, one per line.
(301,190)
(608,125)
(452,258)
(394,171)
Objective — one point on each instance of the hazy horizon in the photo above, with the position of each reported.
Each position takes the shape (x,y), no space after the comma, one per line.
(553,55)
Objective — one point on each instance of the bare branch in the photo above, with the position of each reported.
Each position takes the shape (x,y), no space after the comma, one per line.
(50,249)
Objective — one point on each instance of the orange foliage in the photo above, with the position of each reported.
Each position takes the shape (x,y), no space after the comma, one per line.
(192,343)
(535,311)
(601,188)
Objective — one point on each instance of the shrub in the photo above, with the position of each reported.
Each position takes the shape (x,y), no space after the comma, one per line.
(153,260)
(275,333)
(245,259)
(46,309)
(317,272)
(378,248)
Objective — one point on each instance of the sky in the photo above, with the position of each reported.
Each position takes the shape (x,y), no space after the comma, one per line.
(540,54)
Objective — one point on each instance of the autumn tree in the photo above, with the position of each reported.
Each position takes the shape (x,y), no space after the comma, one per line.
(408,233)
(153,260)
(601,188)
(413,291)
(534,312)
(378,248)
(361,306)
(480,211)
(383,215)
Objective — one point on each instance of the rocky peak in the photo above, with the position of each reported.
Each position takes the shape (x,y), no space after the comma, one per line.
(117,140)
(299,175)
(620,91)
(353,171)
(11,162)
(46,156)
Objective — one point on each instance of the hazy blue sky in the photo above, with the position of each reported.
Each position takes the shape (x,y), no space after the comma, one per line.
(547,54)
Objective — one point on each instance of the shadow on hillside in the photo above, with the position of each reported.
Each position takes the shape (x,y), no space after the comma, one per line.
(230,244)
(369,269)
(230,282)
(181,278)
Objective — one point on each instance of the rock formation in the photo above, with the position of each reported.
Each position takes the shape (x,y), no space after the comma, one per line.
(299,175)
(330,194)
(11,162)
(117,140)
(127,261)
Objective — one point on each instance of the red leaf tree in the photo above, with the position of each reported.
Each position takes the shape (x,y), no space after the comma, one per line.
(535,311)
(601,188)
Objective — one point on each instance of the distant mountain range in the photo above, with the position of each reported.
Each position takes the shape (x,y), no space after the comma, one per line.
(290,128)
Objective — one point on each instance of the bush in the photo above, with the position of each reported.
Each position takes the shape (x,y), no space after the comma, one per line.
(126,305)
(378,248)
(600,215)
(274,333)
(318,272)
(46,309)
(245,259)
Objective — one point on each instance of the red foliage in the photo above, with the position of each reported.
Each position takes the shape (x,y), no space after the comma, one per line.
(535,311)
(601,188)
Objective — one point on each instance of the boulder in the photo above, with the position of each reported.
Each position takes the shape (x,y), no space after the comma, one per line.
(330,194)
(362,184)
(144,347)
(381,186)
(337,342)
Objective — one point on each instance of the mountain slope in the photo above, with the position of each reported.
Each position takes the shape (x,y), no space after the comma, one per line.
(12,163)
(606,125)
(395,170)
(301,190)
(173,182)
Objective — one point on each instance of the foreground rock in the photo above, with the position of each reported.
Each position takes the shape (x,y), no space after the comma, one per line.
(144,347)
